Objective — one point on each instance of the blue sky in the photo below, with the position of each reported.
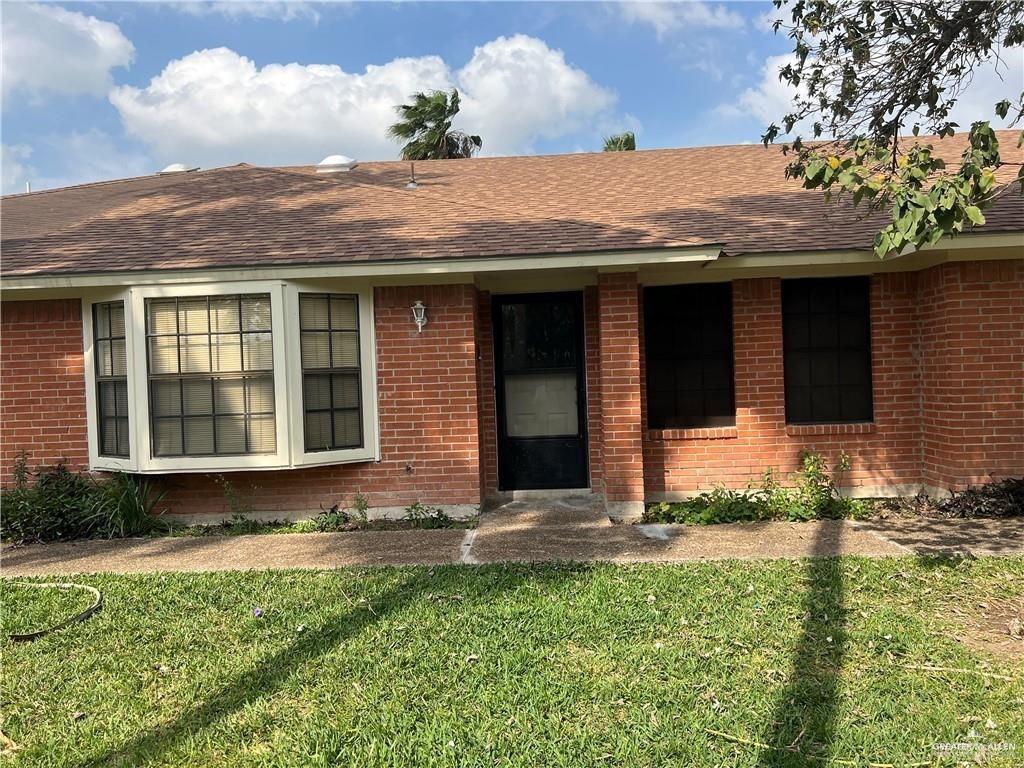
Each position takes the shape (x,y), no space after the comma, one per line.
(102,90)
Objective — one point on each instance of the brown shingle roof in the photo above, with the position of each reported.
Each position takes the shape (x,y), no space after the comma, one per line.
(735,196)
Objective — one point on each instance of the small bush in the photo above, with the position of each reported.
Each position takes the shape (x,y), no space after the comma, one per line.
(62,504)
(422,516)
(337,518)
(1003,498)
(814,496)
(125,505)
(58,506)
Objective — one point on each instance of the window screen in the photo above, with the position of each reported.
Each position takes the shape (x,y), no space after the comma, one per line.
(211,381)
(329,340)
(688,348)
(111,365)
(827,342)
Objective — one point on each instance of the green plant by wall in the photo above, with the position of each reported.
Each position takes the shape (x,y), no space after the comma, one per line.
(56,506)
(360,508)
(422,516)
(239,505)
(126,505)
(813,496)
(62,504)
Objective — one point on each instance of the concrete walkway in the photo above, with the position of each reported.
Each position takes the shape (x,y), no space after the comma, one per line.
(569,529)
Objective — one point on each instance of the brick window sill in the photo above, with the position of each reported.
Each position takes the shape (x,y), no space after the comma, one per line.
(701,433)
(797,430)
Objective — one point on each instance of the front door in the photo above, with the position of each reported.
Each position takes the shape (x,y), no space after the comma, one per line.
(541,402)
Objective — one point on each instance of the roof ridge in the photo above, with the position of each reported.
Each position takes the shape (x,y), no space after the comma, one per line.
(642,151)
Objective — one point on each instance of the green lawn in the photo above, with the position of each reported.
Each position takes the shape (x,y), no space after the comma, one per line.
(516,665)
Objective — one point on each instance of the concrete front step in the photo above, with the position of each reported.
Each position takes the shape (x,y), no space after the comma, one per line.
(582,511)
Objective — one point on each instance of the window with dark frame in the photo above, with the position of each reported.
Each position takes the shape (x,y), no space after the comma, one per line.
(211,379)
(110,363)
(827,347)
(689,356)
(331,376)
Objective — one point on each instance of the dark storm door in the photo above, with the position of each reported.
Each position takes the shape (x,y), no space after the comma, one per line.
(541,402)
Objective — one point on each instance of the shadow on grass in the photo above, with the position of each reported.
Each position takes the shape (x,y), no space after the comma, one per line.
(803,723)
(270,674)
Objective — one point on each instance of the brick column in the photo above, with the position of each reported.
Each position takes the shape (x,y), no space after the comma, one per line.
(621,412)
(972,372)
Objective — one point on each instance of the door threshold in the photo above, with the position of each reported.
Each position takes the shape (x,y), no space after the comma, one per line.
(545,493)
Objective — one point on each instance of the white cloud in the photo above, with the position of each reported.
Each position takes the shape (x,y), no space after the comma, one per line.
(278,10)
(49,49)
(79,156)
(669,17)
(992,82)
(771,99)
(215,106)
(517,90)
(14,167)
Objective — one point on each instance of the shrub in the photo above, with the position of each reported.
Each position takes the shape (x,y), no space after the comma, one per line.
(339,518)
(422,516)
(62,504)
(58,506)
(125,505)
(1002,498)
(814,496)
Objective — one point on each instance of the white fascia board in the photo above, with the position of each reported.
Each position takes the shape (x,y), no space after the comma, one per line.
(866,255)
(373,269)
(462,270)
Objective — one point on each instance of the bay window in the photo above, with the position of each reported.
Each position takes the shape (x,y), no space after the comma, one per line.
(329,348)
(230,376)
(211,375)
(111,374)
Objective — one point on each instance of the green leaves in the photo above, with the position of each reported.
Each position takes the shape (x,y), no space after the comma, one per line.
(863,72)
(973,213)
(925,200)
(621,142)
(426,127)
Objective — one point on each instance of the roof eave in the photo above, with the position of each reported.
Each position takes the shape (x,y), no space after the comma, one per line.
(600,260)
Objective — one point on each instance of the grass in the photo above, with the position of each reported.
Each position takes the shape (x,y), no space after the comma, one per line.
(554,665)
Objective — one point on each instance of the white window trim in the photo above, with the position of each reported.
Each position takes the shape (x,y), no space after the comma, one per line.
(288,409)
(96,460)
(367,378)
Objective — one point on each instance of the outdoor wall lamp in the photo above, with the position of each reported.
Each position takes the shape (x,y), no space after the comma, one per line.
(419,315)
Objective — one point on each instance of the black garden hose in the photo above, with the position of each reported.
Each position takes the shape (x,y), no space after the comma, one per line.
(97,604)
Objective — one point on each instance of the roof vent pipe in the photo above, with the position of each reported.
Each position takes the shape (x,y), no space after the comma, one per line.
(336,164)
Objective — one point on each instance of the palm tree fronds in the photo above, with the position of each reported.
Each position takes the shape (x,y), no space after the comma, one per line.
(426,127)
(620,142)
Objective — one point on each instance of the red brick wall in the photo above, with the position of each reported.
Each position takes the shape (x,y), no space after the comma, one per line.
(427,394)
(948,369)
(885,453)
(972,363)
(428,420)
(621,421)
(42,384)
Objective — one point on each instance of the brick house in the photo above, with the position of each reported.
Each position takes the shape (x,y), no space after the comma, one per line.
(642,324)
